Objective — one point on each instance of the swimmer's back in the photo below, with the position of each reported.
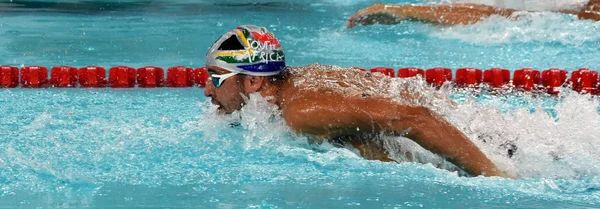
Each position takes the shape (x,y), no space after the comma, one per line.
(346,81)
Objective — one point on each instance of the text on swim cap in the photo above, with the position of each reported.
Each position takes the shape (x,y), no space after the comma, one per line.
(265,51)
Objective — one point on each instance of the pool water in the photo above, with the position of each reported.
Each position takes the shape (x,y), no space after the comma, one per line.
(166,148)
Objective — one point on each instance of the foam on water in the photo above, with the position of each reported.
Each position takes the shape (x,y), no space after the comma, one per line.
(551,148)
(530,5)
(72,146)
(555,156)
(560,145)
(529,27)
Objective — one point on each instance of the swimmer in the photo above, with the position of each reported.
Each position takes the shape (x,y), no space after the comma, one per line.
(449,14)
(331,103)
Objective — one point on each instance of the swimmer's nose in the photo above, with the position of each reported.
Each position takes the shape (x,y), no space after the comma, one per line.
(209,89)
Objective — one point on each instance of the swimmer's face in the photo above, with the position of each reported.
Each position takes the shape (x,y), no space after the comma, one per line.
(227,96)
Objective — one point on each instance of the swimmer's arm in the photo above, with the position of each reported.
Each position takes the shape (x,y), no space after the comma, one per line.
(589,15)
(440,14)
(369,149)
(334,115)
(591,11)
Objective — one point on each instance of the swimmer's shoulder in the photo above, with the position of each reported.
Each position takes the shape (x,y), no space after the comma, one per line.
(322,80)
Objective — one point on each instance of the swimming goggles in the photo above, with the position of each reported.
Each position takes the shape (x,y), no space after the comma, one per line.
(217,80)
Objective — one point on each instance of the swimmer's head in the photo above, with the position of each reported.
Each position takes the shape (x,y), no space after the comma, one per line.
(243,61)
(248,50)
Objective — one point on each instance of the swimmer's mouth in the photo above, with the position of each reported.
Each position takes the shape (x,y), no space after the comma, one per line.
(220,108)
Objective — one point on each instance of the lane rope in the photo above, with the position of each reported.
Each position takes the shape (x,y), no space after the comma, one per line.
(548,81)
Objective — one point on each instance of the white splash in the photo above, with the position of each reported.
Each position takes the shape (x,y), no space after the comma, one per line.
(563,145)
(547,146)
(529,27)
(262,128)
(530,5)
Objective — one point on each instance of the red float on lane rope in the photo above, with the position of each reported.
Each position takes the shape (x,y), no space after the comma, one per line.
(527,79)
(201,76)
(121,77)
(553,78)
(468,76)
(496,77)
(9,77)
(582,80)
(585,81)
(410,72)
(63,76)
(384,70)
(180,77)
(438,76)
(92,77)
(34,77)
(150,77)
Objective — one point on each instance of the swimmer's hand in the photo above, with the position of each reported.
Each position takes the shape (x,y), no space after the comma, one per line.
(589,15)
(377,13)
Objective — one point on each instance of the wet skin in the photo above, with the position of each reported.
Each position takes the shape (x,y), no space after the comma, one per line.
(330,114)
(449,14)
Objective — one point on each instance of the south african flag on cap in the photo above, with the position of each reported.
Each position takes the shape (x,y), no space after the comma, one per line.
(248,49)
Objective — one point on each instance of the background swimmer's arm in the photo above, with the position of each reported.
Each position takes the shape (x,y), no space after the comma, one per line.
(328,114)
(441,14)
(591,11)
(589,15)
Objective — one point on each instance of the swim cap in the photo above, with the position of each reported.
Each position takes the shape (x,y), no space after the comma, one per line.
(249,50)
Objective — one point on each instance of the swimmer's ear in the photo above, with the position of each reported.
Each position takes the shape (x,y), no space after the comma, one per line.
(253,83)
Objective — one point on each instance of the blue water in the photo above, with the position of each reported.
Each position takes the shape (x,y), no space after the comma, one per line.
(166,148)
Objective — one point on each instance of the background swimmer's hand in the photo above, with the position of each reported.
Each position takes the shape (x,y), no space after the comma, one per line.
(377,13)
(591,11)
(589,15)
